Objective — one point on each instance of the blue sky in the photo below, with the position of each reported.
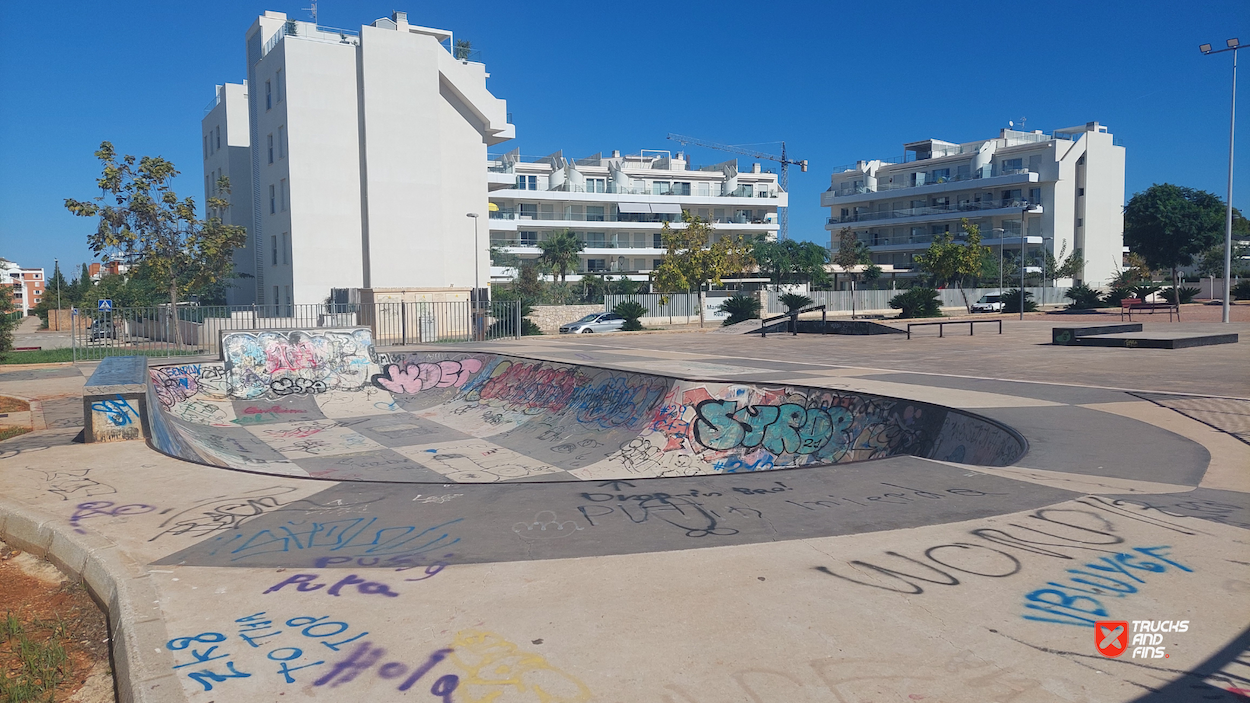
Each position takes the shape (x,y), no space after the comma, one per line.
(839,81)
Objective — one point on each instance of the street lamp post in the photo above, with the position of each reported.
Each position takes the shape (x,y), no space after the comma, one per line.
(1001,240)
(1022,211)
(477,283)
(1232,45)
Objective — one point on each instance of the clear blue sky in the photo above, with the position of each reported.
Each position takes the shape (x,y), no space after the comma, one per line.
(839,81)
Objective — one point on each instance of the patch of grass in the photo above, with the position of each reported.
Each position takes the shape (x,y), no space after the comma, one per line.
(42,665)
(11,432)
(13,405)
(43,356)
(52,356)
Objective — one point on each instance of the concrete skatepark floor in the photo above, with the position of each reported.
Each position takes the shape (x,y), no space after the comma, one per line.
(901,578)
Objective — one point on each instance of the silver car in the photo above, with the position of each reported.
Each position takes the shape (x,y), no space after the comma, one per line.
(598,322)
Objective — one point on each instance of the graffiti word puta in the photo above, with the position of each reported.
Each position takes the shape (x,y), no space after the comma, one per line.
(304,582)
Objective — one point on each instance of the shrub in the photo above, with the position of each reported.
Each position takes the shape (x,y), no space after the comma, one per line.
(1145,290)
(505,317)
(740,308)
(1011,301)
(1118,294)
(1083,297)
(1187,294)
(631,310)
(1241,291)
(917,302)
(795,301)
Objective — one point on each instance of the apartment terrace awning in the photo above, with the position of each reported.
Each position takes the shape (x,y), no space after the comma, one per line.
(666,208)
(634,208)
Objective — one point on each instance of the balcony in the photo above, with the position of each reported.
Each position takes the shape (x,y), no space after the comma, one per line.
(635,218)
(846,191)
(951,209)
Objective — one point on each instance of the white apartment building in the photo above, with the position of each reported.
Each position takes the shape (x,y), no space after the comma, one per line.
(1061,188)
(28,284)
(225,141)
(617,205)
(366,150)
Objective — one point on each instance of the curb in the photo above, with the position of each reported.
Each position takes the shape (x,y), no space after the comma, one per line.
(120,585)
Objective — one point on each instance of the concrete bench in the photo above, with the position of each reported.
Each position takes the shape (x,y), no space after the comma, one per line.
(115,400)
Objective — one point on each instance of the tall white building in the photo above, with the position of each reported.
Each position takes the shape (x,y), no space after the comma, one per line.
(366,151)
(225,141)
(1066,188)
(617,205)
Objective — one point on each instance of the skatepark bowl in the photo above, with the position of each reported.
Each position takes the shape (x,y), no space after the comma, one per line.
(325,404)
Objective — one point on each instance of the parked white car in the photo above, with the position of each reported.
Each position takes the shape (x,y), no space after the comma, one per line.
(598,322)
(991,302)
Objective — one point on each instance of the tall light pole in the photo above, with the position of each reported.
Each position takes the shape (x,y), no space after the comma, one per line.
(1022,211)
(477,283)
(56,271)
(1233,45)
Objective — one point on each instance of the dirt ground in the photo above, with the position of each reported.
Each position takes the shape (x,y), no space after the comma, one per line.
(49,609)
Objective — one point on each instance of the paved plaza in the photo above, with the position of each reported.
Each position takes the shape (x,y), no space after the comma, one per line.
(383,545)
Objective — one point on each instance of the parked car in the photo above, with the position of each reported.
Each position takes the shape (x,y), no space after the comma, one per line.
(101,330)
(992,302)
(597,322)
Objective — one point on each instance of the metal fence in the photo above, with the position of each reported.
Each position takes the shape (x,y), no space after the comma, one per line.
(195,331)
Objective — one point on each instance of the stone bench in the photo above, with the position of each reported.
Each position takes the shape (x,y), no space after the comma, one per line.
(114,400)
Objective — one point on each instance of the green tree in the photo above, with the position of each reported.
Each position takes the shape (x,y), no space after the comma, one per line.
(949,261)
(8,320)
(1169,225)
(791,262)
(852,254)
(690,262)
(1063,266)
(141,215)
(560,253)
(528,284)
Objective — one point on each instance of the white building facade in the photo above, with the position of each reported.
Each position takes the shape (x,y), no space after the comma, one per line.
(617,205)
(1052,190)
(225,143)
(366,150)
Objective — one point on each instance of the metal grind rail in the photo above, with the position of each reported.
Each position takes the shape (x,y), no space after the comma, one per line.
(942,326)
(794,320)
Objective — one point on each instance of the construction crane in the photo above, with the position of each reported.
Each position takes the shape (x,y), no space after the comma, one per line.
(784,180)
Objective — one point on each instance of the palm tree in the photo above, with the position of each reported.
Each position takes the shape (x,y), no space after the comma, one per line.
(560,252)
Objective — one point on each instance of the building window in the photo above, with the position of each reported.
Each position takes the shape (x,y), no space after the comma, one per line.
(274,240)
(528,239)
(218,137)
(594,213)
(286,248)
(1035,196)
(281,85)
(1012,165)
(661,188)
(269,141)
(206,146)
(1080,192)
(1080,222)
(681,189)
(527,182)
(281,141)
(287,290)
(657,241)
(282,194)
(596,264)
(276,300)
(529,210)
(273,207)
(596,185)
(595,240)
(207,191)
(655,263)
(269,104)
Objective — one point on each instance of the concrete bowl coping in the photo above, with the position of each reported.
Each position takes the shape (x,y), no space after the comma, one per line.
(142,666)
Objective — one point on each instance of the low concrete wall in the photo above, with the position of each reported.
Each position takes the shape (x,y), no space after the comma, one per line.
(550,317)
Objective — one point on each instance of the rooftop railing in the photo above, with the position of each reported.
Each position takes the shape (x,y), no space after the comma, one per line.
(307,30)
(212,104)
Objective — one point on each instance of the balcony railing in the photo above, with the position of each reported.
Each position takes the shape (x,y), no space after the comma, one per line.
(931,210)
(306,30)
(214,102)
(847,190)
(589,244)
(643,218)
(621,190)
